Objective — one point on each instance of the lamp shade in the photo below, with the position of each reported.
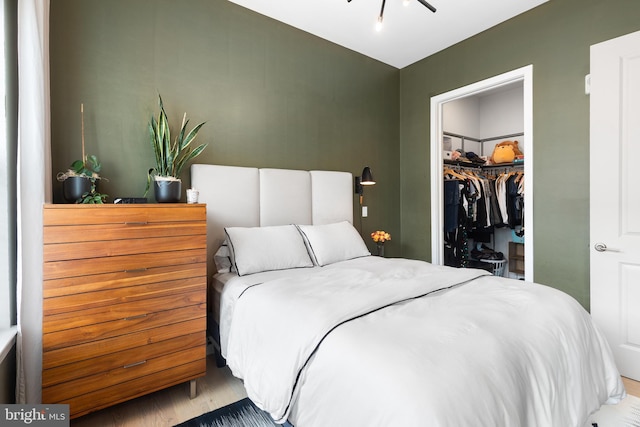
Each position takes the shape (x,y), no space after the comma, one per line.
(367,177)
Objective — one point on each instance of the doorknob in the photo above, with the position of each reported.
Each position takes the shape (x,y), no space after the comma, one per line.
(601,247)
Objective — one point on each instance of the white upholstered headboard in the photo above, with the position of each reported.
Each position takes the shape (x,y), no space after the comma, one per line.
(252,197)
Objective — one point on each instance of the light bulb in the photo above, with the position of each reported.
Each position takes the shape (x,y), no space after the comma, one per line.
(405,2)
(379,23)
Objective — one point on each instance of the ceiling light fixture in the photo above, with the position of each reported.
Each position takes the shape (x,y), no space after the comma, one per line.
(379,23)
(404,2)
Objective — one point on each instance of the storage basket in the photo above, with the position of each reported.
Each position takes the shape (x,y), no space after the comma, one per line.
(497,265)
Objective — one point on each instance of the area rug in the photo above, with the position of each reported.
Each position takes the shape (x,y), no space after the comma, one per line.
(239,414)
(245,414)
(624,414)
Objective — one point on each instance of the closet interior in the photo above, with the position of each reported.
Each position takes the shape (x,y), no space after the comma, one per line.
(483,195)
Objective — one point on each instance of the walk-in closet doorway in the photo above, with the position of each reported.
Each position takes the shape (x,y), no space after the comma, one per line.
(522,78)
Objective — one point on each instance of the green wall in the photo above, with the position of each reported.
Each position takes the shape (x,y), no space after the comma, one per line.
(555,37)
(272,96)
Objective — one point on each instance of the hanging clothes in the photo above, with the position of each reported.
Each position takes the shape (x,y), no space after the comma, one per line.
(515,200)
(451,204)
(460,201)
(475,203)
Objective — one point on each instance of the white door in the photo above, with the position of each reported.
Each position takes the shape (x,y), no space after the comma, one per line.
(615,197)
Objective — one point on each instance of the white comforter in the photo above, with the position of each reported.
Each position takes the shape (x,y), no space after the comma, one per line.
(386,342)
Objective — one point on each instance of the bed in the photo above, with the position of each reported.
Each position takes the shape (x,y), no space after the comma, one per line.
(323,333)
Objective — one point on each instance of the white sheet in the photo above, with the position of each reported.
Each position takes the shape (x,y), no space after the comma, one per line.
(493,352)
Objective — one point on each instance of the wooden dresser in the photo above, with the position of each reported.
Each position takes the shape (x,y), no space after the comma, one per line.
(124,301)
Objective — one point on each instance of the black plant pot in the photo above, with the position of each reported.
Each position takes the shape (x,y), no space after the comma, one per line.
(74,187)
(167,191)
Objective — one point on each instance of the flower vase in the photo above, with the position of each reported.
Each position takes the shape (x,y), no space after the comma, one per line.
(380,246)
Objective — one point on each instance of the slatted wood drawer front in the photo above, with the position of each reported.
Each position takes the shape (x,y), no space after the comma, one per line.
(111,361)
(124,301)
(92,349)
(108,329)
(139,367)
(103,397)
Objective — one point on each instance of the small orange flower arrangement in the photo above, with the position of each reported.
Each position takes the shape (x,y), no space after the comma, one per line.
(380,236)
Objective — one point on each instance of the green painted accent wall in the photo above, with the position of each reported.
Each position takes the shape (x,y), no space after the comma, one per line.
(555,37)
(272,95)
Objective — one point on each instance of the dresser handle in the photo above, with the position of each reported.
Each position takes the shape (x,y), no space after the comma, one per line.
(139,316)
(136,223)
(134,364)
(136,270)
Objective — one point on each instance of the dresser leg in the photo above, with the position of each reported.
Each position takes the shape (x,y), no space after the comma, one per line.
(192,389)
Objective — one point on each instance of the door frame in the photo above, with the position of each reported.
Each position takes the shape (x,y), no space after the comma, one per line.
(525,75)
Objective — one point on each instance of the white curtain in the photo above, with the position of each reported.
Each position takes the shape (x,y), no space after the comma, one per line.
(34,188)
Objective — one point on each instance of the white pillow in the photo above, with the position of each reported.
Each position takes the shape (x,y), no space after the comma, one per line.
(335,242)
(256,249)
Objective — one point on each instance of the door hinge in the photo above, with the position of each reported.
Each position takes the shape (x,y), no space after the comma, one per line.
(587,84)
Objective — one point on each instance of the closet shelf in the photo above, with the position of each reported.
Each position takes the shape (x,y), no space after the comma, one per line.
(464,138)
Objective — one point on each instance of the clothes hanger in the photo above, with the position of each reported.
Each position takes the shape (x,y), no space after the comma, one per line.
(519,177)
(449,171)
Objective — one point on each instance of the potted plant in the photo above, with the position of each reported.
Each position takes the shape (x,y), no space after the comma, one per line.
(80,181)
(171,156)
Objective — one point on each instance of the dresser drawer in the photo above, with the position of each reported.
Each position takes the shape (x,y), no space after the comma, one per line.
(128,312)
(64,392)
(120,279)
(57,234)
(99,399)
(120,326)
(94,349)
(109,297)
(122,214)
(122,264)
(101,249)
(108,362)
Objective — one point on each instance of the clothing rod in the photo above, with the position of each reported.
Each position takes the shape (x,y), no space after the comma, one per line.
(504,165)
(470,138)
(461,166)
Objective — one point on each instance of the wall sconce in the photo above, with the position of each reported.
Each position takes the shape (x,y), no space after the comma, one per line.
(361,181)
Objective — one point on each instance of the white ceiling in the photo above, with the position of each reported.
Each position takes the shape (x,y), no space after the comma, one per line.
(410,33)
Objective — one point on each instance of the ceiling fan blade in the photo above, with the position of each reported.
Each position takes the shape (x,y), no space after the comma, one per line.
(428,6)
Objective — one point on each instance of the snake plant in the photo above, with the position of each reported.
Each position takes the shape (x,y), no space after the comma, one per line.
(171,156)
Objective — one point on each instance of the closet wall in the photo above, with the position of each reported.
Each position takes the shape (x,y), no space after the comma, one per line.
(493,113)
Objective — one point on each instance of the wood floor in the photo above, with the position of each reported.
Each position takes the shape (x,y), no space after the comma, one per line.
(633,387)
(172,406)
